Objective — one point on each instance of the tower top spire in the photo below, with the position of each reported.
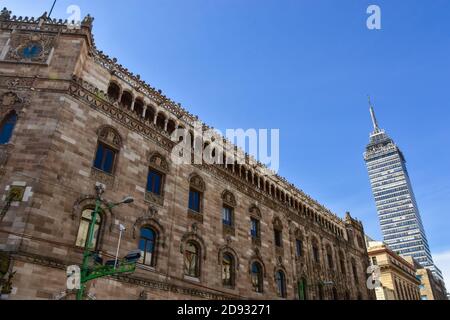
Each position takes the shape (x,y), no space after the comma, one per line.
(374,118)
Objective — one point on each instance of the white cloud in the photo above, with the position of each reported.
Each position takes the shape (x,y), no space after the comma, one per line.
(442,261)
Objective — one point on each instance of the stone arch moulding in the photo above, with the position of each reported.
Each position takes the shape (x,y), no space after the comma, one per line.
(110,135)
(11,102)
(280,267)
(89,201)
(158,162)
(194,237)
(257,258)
(228,249)
(276,221)
(229,198)
(197,182)
(255,211)
(149,219)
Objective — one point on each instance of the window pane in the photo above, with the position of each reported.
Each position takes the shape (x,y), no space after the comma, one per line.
(99,157)
(148,234)
(227,216)
(191,260)
(194,200)
(154,182)
(86,218)
(255,228)
(278,238)
(256,277)
(82,233)
(109,160)
(157,183)
(227,263)
(299,248)
(7,129)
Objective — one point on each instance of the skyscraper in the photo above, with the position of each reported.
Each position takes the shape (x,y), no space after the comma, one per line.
(396,204)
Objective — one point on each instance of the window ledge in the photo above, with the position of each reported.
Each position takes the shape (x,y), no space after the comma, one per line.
(256,241)
(195,215)
(145,267)
(102,177)
(192,279)
(228,230)
(154,198)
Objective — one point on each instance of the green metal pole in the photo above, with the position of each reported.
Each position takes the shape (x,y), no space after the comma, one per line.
(87,250)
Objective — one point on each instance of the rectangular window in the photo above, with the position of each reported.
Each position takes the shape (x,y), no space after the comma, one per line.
(278,238)
(227,216)
(374,261)
(154,182)
(316,254)
(194,200)
(255,228)
(299,248)
(104,159)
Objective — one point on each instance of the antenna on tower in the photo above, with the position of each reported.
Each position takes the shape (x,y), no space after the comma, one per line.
(372,115)
(51,10)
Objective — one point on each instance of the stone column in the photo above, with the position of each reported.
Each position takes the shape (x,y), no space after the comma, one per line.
(144,112)
(166,122)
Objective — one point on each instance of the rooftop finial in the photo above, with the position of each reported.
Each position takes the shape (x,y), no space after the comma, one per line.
(5,14)
(374,119)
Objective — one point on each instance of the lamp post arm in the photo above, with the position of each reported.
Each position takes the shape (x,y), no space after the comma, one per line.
(87,249)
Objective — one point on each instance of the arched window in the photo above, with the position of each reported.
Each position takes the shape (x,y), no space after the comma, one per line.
(280,279)
(303,289)
(197,187)
(330,258)
(139,107)
(150,114)
(278,233)
(257,277)
(147,245)
(109,143)
(192,260)
(228,266)
(355,271)
(229,202)
(171,126)
(161,121)
(127,100)
(7,128)
(316,252)
(342,261)
(158,169)
(114,91)
(83,230)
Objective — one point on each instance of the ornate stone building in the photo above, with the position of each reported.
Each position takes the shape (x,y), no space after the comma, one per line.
(72,117)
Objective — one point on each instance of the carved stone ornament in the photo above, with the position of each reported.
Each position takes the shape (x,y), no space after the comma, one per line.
(158,162)
(197,183)
(9,99)
(110,136)
(228,198)
(149,216)
(30,47)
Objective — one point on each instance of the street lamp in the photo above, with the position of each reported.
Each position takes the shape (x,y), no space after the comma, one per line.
(121,229)
(102,271)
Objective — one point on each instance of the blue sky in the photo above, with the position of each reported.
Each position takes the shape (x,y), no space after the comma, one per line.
(306,68)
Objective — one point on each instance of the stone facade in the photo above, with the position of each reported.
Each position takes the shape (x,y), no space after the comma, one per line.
(397,275)
(431,287)
(69,97)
